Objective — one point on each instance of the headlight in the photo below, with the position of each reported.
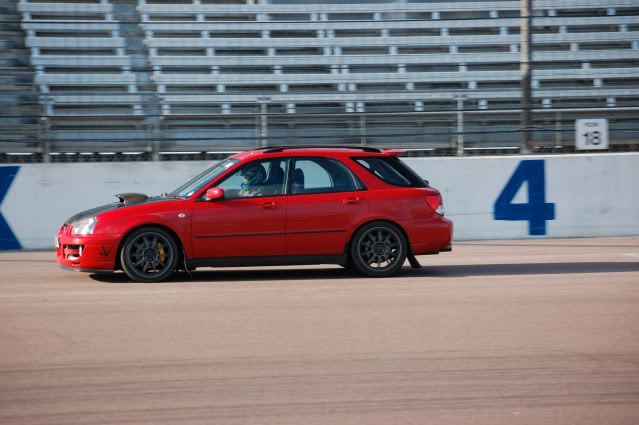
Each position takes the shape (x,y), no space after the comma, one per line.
(84,227)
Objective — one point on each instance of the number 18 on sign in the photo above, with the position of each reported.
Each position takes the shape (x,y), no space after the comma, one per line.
(591,133)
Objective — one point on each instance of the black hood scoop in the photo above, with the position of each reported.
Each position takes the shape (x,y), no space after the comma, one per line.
(128,199)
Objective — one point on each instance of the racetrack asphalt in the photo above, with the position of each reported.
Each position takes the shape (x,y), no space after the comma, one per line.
(542,331)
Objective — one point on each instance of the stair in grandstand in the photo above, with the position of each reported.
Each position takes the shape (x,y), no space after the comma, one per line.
(125,12)
(19,111)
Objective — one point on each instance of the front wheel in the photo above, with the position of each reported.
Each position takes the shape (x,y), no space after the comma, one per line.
(149,254)
(378,249)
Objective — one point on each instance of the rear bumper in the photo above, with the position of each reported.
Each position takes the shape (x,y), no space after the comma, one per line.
(430,236)
(447,248)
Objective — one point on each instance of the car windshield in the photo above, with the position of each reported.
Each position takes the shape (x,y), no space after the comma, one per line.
(199,181)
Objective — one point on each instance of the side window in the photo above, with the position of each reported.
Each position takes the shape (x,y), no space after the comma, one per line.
(321,175)
(255,179)
(391,170)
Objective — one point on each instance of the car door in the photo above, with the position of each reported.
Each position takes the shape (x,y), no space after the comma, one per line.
(326,201)
(249,221)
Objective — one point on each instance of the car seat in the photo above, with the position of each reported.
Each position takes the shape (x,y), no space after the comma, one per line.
(298,181)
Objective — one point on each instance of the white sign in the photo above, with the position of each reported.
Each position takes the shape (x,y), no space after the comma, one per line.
(591,133)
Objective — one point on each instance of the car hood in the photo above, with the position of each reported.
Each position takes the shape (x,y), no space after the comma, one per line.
(126,200)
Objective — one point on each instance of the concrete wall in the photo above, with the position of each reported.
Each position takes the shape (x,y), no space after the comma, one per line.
(539,196)
(593,195)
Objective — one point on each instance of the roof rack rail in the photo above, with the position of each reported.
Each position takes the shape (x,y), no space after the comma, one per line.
(275,149)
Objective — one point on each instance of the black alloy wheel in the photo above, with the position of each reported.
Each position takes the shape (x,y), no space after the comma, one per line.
(378,249)
(149,254)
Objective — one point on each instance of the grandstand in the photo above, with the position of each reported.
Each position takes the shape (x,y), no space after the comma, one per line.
(152,79)
(19,111)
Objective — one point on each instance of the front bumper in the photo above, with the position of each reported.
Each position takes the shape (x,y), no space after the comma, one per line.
(93,253)
(76,269)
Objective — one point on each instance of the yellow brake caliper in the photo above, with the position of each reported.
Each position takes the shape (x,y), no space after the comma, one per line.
(161,251)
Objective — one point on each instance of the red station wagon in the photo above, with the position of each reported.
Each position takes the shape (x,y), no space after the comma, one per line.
(359,207)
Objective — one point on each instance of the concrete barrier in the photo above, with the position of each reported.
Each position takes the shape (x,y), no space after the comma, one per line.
(552,196)
(486,197)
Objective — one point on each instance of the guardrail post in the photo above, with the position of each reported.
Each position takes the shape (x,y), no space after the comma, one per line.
(263,120)
(526,80)
(460,125)
(362,129)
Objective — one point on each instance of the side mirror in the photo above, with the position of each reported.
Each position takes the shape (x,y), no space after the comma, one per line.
(214,193)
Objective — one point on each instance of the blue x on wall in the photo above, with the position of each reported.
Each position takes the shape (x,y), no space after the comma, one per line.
(8,240)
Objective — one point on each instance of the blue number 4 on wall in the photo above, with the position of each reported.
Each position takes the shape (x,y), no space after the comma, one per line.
(537,211)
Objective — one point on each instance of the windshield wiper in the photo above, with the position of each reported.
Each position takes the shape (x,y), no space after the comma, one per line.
(170,196)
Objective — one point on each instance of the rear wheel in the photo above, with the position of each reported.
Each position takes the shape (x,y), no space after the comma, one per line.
(378,249)
(149,254)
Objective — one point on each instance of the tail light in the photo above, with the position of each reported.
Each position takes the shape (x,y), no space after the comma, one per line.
(436,202)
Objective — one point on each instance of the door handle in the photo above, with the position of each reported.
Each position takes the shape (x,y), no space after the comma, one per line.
(353,200)
(269,205)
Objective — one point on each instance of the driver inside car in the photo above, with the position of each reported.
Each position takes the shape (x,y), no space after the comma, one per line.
(253,179)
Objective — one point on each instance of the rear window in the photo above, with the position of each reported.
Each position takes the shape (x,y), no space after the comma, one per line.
(391,170)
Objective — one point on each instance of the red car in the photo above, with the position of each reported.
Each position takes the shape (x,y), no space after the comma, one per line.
(359,207)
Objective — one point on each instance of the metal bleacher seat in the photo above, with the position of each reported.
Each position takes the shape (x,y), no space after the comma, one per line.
(260,35)
(76,48)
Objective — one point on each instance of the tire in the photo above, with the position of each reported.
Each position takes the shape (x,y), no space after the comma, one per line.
(378,249)
(149,254)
